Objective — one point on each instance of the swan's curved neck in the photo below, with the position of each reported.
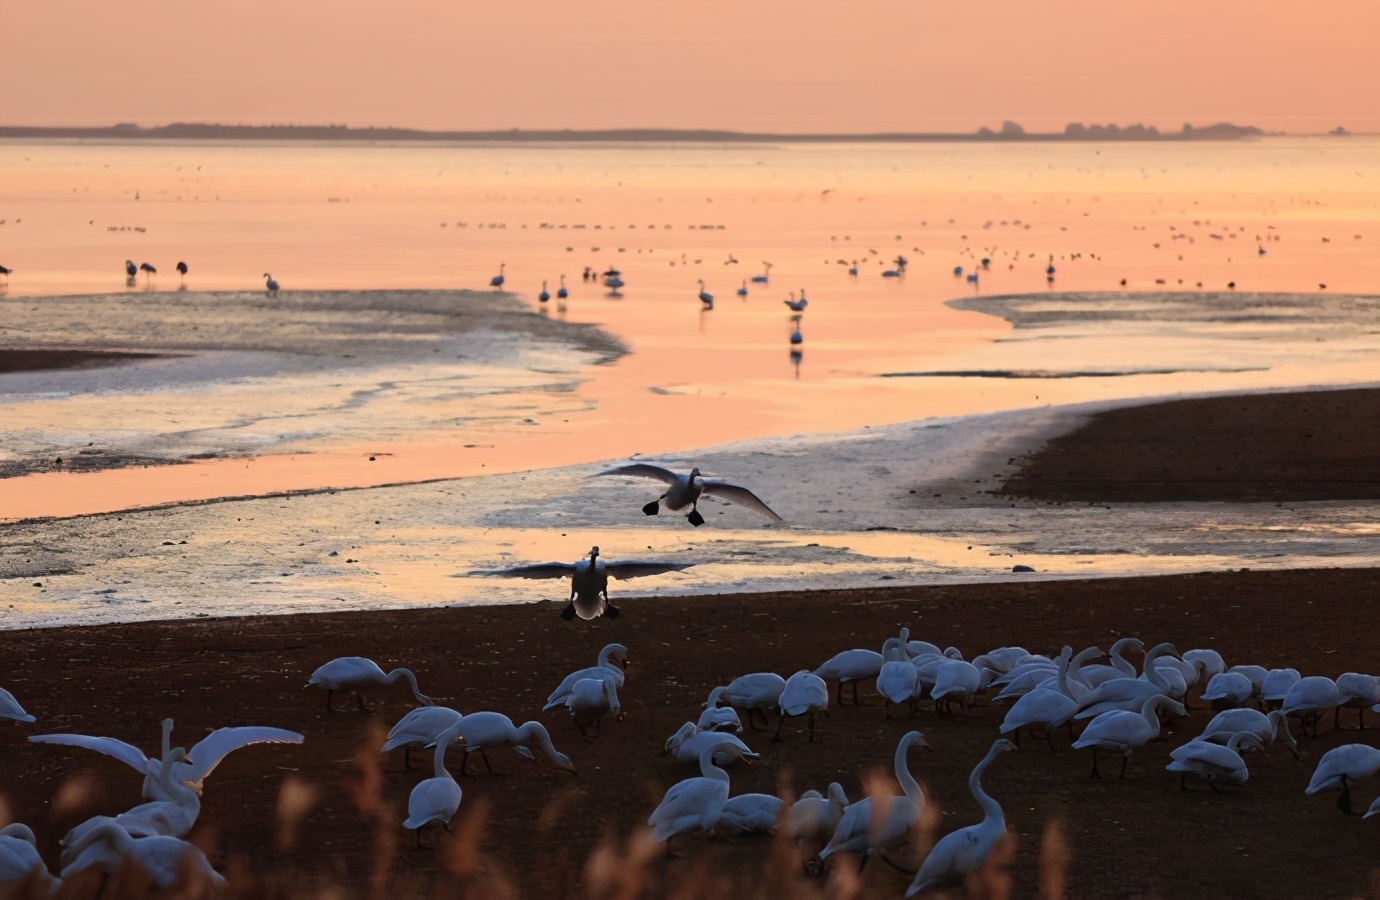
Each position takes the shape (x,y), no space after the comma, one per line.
(707,767)
(1118,661)
(1152,673)
(411,681)
(991,809)
(1150,712)
(714,696)
(442,743)
(166,746)
(1064,672)
(537,730)
(901,764)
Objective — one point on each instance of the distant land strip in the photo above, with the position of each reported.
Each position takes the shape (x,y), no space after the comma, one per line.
(1009,132)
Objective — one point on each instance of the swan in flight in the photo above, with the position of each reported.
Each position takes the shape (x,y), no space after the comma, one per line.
(613,659)
(695,803)
(168,861)
(962,852)
(490,729)
(860,830)
(685,490)
(1213,762)
(814,817)
(804,695)
(359,675)
(422,727)
(20,864)
(10,708)
(202,759)
(589,580)
(437,798)
(590,699)
(1124,731)
(1340,768)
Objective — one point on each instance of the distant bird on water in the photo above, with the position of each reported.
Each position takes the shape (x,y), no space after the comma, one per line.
(797,305)
(182,271)
(705,297)
(131,270)
(6,272)
(544,295)
(766,273)
(742,291)
(497,280)
(685,491)
(148,271)
(271,285)
(561,292)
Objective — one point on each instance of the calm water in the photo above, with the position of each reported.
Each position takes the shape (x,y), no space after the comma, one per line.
(1165,217)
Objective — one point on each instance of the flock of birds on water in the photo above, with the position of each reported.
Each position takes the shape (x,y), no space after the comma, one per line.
(1119,708)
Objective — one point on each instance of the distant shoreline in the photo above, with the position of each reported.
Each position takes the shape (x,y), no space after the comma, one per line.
(194,131)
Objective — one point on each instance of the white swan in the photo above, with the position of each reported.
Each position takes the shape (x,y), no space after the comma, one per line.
(1128,694)
(1042,706)
(1265,727)
(1002,659)
(749,814)
(10,708)
(814,817)
(695,803)
(437,798)
(20,864)
(1124,731)
(860,831)
(1310,699)
(1374,809)
(174,817)
(1076,687)
(168,861)
(420,728)
(589,580)
(481,730)
(1277,684)
(202,760)
(688,743)
(956,681)
(360,675)
(897,680)
(685,491)
(1210,662)
(804,695)
(1255,673)
(613,660)
(1340,768)
(962,852)
(852,666)
(1228,689)
(1213,762)
(1120,666)
(757,692)
(590,699)
(1356,691)
(719,718)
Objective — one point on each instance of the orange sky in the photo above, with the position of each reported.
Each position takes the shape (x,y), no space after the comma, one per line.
(768,65)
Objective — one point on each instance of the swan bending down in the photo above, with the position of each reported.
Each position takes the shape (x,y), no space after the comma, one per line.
(1042,706)
(358,675)
(436,798)
(10,708)
(1228,689)
(589,700)
(20,863)
(962,852)
(589,580)
(174,818)
(168,861)
(860,830)
(758,692)
(420,728)
(688,743)
(1266,728)
(852,666)
(1341,767)
(685,491)
(490,729)
(1124,731)
(1129,694)
(1310,699)
(1356,691)
(1213,762)
(814,817)
(695,803)
(897,680)
(719,718)
(193,771)
(804,694)
(613,660)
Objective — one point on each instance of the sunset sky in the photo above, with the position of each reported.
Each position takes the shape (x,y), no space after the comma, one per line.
(762,65)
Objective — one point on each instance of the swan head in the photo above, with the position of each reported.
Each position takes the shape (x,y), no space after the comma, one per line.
(917,739)
(19,831)
(1002,745)
(694,473)
(594,552)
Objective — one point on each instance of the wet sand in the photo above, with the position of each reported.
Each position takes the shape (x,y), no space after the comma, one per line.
(14,360)
(1265,839)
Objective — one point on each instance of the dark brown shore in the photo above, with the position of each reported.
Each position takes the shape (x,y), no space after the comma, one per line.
(15,360)
(1139,837)
(1276,448)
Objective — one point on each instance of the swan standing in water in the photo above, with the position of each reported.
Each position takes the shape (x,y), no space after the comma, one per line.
(20,863)
(1124,731)
(695,803)
(437,798)
(686,490)
(589,580)
(1213,762)
(490,729)
(590,699)
(1340,768)
(420,728)
(856,832)
(360,675)
(193,771)
(962,852)
(804,694)
(613,660)
(10,708)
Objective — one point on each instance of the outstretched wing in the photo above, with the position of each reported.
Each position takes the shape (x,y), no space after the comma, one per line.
(210,750)
(643,470)
(638,569)
(128,754)
(538,570)
(740,495)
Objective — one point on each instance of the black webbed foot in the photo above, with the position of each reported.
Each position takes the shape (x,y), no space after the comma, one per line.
(568,614)
(652,508)
(695,518)
(612,611)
